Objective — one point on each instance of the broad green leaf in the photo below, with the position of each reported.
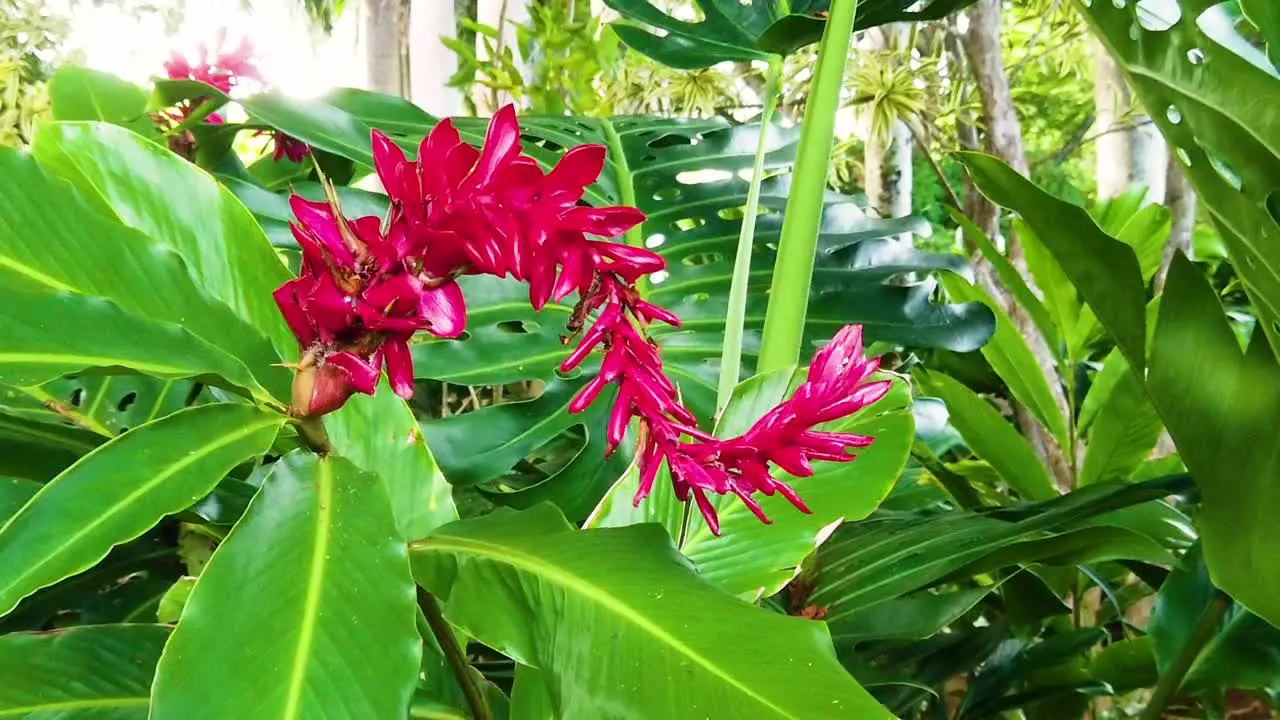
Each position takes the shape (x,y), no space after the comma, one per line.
(77,93)
(324,622)
(529,697)
(151,189)
(53,239)
(1060,298)
(545,584)
(1011,358)
(1215,401)
(51,333)
(1011,278)
(909,618)
(1114,370)
(111,404)
(1212,102)
(1266,17)
(481,446)
(124,488)
(101,672)
(752,559)
(1124,433)
(1103,269)
(379,434)
(1126,665)
(990,436)
(737,30)
(892,554)
(14,493)
(317,123)
(1241,654)
(39,450)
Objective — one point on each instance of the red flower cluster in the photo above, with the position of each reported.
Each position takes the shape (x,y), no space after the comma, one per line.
(223,70)
(367,287)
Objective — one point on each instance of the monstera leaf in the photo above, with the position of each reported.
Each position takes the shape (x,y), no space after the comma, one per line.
(750,29)
(684,174)
(1211,94)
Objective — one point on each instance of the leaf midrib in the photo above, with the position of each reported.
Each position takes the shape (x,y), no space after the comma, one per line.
(315,583)
(570,582)
(128,500)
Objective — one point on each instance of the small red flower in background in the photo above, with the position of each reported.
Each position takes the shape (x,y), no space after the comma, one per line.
(223,69)
(460,210)
(287,147)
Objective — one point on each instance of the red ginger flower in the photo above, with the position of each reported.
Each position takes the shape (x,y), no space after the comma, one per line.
(223,70)
(455,210)
(359,299)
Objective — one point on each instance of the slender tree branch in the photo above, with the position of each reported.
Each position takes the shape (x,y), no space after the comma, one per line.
(443,632)
(1171,682)
(1035,40)
(952,197)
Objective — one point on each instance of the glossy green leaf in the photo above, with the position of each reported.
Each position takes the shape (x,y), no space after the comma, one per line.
(138,181)
(123,489)
(14,493)
(659,618)
(111,404)
(317,123)
(1061,300)
(1012,278)
(1011,358)
(1266,17)
(101,672)
(39,450)
(893,554)
(379,434)
(480,446)
(324,623)
(909,618)
(1215,399)
(1213,105)
(1103,269)
(734,30)
(56,241)
(77,93)
(1124,433)
(990,436)
(1126,665)
(51,333)
(529,697)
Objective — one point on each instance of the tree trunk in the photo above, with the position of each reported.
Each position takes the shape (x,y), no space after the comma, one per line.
(384,40)
(1149,159)
(887,157)
(1180,198)
(1114,146)
(1004,140)
(431,64)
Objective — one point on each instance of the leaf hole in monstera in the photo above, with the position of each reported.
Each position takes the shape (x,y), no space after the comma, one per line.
(1273,206)
(1158,15)
(703,177)
(672,140)
(541,142)
(655,240)
(1184,156)
(702,258)
(77,397)
(543,462)
(519,327)
(127,401)
(667,193)
(733,213)
(689,223)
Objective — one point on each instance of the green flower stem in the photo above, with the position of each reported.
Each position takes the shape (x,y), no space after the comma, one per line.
(792,275)
(471,690)
(731,358)
(626,187)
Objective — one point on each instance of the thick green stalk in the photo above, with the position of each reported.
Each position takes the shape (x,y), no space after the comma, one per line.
(792,274)
(472,693)
(1171,682)
(731,358)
